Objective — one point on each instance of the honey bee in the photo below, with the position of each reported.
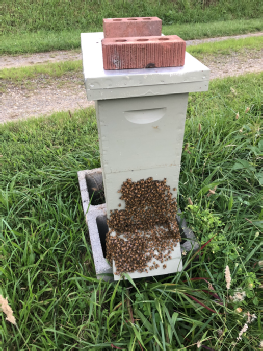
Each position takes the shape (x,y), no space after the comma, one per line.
(148,205)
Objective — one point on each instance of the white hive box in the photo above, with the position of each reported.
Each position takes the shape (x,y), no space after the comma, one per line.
(141,120)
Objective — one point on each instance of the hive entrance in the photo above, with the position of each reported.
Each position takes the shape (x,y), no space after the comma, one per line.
(146,230)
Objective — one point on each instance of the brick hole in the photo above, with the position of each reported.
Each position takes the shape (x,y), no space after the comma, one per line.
(103,230)
(142,39)
(120,40)
(132,19)
(117,19)
(164,39)
(146,18)
(95,188)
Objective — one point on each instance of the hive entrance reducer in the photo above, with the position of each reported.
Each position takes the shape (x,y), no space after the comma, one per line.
(144,237)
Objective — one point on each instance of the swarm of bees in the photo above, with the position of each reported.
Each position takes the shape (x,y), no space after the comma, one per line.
(146,229)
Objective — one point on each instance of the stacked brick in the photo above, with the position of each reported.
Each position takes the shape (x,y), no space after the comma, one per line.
(132,27)
(137,43)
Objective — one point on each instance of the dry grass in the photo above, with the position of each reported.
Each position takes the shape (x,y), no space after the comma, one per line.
(228,277)
(7,310)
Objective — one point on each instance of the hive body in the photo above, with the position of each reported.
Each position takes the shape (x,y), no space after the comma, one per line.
(141,117)
(138,139)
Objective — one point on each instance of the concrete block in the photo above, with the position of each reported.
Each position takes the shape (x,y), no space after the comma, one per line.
(143,52)
(93,214)
(90,182)
(132,27)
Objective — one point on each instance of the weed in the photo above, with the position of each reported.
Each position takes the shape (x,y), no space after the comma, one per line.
(206,225)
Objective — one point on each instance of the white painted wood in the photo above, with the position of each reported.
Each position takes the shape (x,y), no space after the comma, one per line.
(173,265)
(141,119)
(152,90)
(135,150)
(114,181)
(133,146)
(100,82)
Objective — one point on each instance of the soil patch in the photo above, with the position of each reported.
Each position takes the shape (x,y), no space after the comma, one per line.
(44,96)
(236,64)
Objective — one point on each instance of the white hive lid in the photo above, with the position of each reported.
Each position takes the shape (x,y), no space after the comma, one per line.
(111,84)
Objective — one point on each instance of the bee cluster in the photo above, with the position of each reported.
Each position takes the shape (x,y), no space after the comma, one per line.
(146,229)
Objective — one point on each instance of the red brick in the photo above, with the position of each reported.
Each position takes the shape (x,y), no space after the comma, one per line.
(131,27)
(143,52)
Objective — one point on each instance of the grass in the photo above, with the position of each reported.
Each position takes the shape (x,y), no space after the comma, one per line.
(47,270)
(58,69)
(48,40)
(189,31)
(54,69)
(226,47)
(55,15)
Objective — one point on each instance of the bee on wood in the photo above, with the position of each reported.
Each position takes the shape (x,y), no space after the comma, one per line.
(148,204)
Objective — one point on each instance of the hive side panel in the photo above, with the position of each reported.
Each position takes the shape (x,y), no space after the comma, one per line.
(115,180)
(128,145)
